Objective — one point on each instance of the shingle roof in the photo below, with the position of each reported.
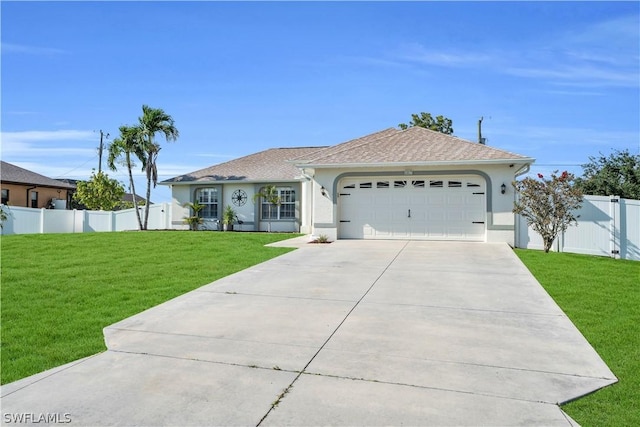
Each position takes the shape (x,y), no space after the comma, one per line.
(128,197)
(268,165)
(14,174)
(413,145)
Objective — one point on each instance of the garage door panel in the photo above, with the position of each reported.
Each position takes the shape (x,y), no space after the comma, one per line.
(442,208)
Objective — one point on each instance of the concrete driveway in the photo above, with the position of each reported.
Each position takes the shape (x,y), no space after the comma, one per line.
(350,333)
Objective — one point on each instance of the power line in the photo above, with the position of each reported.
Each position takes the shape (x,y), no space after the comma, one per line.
(78,167)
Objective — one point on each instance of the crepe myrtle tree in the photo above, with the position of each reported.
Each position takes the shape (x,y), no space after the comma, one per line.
(548,204)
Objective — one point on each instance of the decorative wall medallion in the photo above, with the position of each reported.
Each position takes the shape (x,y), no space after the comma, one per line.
(239,197)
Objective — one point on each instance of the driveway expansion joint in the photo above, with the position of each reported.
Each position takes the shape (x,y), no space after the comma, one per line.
(417,386)
(217,362)
(448,307)
(278,296)
(333,333)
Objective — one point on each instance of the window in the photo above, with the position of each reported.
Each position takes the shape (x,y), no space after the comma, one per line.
(435,184)
(382,184)
(350,186)
(209,198)
(34,199)
(286,209)
(472,184)
(5,196)
(418,184)
(399,184)
(365,185)
(455,184)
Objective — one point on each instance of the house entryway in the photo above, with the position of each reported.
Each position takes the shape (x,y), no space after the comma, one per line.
(413,207)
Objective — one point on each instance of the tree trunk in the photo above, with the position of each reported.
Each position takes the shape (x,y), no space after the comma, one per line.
(547,244)
(146,210)
(133,192)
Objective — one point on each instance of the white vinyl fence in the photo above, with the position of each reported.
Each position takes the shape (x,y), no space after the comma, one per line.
(607,226)
(30,221)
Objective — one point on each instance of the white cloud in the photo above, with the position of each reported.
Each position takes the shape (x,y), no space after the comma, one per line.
(48,135)
(415,52)
(49,143)
(603,54)
(30,50)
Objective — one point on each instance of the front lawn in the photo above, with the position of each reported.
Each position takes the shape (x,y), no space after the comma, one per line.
(60,290)
(602,298)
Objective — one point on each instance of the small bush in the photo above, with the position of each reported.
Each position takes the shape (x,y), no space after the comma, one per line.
(323,238)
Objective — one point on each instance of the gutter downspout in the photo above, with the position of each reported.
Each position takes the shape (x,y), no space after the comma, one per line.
(523,170)
(306,176)
(28,198)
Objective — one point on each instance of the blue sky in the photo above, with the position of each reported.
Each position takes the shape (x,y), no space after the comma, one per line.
(555,81)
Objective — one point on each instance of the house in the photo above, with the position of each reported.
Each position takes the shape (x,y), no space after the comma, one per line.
(127,198)
(21,187)
(393,184)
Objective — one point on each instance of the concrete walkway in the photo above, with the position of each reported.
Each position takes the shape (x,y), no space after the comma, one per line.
(350,333)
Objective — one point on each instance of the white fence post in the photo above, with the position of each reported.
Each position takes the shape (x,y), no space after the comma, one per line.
(42,221)
(614,226)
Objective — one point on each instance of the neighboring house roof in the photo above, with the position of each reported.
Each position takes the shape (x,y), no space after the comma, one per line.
(415,145)
(128,197)
(10,173)
(269,165)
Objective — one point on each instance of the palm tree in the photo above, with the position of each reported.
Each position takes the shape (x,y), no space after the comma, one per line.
(152,121)
(194,220)
(270,194)
(126,144)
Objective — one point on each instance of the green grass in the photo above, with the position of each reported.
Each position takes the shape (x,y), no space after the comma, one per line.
(602,298)
(60,290)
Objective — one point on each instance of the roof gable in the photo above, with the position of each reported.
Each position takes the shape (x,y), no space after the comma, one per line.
(413,145)
(15,174)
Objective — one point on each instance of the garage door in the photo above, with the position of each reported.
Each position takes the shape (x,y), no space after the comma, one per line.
(428,208)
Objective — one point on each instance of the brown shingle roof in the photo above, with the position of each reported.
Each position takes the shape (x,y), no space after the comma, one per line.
(10,173)
(413,145)
(268,165)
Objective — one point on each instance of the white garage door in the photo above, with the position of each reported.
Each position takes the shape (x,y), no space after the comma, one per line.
(428,208)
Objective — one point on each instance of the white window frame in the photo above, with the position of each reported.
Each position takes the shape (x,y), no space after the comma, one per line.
(211,204)
(286,206)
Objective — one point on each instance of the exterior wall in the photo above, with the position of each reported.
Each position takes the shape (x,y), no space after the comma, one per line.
(18,195)
(306,205)
(245,213)
(500,219)
(248,213)
(181,195)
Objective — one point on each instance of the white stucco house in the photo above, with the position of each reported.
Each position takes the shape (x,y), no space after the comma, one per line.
(393,184)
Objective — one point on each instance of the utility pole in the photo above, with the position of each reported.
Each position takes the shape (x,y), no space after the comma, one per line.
(102,135)
(481,140)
